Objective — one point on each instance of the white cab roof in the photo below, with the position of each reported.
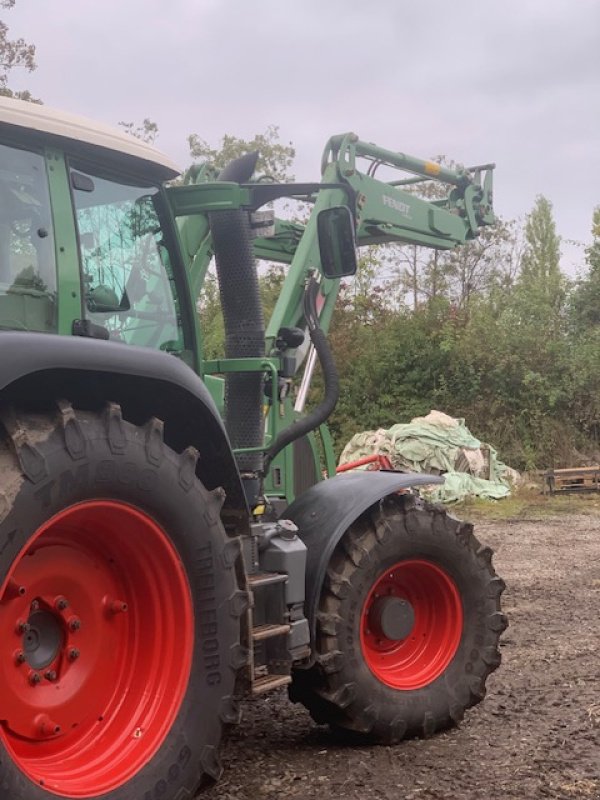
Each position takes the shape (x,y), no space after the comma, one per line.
(32,116)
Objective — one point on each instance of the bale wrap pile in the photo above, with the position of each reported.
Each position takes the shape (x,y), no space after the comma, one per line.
(438,444)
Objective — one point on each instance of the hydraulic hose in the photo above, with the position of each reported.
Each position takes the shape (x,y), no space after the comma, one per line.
(332,385)
(244,323)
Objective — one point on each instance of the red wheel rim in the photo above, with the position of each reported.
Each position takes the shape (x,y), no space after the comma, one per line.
(431,641)
(92,687)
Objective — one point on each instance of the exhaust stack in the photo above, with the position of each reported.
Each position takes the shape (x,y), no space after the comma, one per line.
(244,327)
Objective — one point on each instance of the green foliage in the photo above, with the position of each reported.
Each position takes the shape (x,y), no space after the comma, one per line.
(481,266)
(541,283)
(147,131)
(584,381)
(584,311)
(493,348)
(585,300)
(480,332)
(211,319)
(14,54)
(275,158)
(593,251)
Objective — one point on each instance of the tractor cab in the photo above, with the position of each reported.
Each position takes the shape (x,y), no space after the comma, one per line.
(86,245)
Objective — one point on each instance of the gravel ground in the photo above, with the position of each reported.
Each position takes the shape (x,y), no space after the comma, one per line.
(536,735)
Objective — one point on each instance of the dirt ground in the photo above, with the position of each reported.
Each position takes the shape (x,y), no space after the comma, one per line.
(537,733)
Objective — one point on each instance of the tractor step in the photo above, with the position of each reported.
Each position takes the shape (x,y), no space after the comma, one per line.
(270,663)
(261,632)
(259,579)
(267,683)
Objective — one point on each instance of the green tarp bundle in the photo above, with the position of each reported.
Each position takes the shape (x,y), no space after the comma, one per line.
(438,444)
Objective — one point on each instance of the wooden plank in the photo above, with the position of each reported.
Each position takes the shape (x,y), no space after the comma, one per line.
(267,683)
(573,479)
(574,471)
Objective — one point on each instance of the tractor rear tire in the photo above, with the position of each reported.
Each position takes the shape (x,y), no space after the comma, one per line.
(120,612)
(408,626)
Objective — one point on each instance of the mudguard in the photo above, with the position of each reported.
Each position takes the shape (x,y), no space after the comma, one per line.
(154,382)
(326,510)
(23,353)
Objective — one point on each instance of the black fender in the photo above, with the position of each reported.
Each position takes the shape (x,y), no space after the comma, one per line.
(37,367)
(325,511)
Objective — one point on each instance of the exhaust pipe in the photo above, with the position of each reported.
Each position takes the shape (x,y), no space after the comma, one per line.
(244,327)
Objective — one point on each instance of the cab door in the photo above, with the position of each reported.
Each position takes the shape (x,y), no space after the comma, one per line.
(28,275)
(128,274)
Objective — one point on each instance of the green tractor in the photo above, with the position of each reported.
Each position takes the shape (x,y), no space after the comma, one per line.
(168,541)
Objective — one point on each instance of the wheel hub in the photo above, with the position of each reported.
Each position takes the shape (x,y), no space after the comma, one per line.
(92,664)
(42,640)
(411,624)
(392,618)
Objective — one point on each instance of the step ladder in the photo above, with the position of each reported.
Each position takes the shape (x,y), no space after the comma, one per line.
(265,678)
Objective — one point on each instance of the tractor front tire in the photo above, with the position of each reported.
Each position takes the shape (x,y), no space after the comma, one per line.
(119,612)
(408,625)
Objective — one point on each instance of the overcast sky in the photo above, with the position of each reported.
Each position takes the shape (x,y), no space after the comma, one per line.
(511,81)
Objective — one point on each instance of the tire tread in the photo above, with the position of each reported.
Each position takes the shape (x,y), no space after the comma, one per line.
(325,689)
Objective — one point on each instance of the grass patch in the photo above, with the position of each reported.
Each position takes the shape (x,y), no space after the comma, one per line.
(528,504)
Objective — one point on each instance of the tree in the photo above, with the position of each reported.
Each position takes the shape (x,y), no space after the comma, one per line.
(423,275)
(481,265)
(147,131)
(275,158)
(14,54)
(419,270)
(585,341)
(593,252)
(585,301)
(409,278)
(364,295)
(541,283)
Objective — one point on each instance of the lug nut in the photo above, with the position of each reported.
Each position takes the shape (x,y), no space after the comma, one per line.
(61,603)
(34,678)
(50,675)
(23,627)
(19,657)
(74,624)
(35,606)
(74,654)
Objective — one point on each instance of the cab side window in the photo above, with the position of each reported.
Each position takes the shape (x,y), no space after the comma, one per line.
(128,283)
(27,255)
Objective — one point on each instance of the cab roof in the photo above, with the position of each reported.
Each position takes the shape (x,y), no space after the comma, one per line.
(86,136)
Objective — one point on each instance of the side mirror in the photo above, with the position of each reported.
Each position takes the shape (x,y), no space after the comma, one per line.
(337,244)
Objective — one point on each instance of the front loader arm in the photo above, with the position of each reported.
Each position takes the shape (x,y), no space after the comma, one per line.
(394,211)
(385,211)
